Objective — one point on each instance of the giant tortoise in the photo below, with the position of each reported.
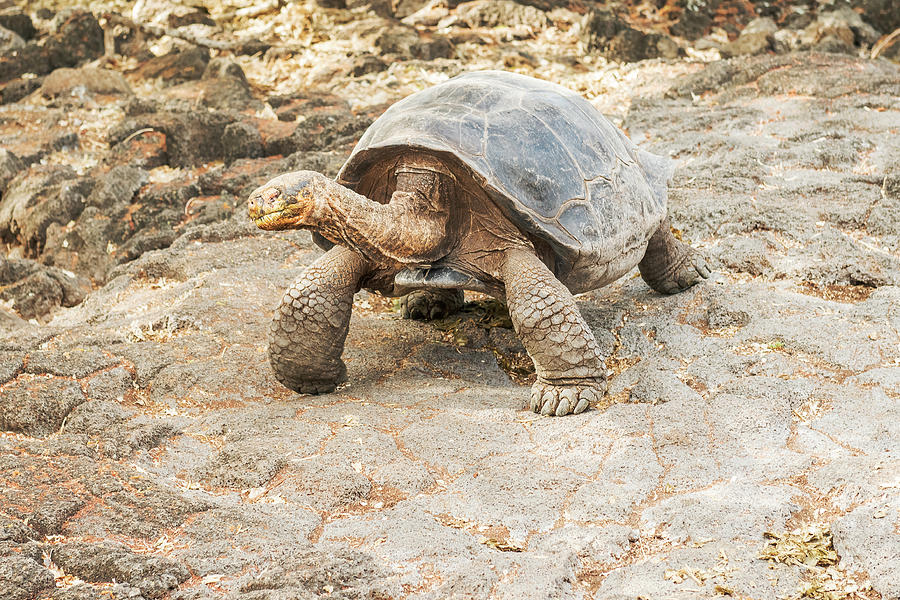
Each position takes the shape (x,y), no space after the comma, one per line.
(491,181)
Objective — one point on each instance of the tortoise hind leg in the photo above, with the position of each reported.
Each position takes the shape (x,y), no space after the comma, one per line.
(670,265)
(431,304)
(308,332)
(570,367)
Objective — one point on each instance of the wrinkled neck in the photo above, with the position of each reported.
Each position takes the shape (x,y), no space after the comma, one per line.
(410,230)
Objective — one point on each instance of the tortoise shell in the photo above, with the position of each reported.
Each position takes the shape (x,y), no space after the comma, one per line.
(555,166)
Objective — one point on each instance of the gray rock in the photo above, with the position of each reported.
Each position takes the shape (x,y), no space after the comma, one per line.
(833,81)
(654,387)
(36,290)
(96,417)
(495,13)
(70,362)
(250,535)
(786,40)
(79,83)
(109,385)
(153,576)
(751,440)
(487,495)
(627,478)
(457,442)
(177,66)
(604,32)
(118,186)
(37,198)
(242,140)
(404,42)
(18,22)
(23,579)
(757,37)
(841,260)
(311,574)
(749,44)
(15,531)
(447,361)
(224,86)
(185,16)
(683,446)
(382,8)
(17,89)
(144,509)
(867,540)
(191,138)
(10,166)
(724,511)
(421,475)
(839,30)
(11,364)
(35,494)
(880,12)
(885,377)
(79,591)
(38,406)
(760,25)
(652,576)
(850,481)
(242,467)
(592,544)
(721,312)
(864,419)
(77,38)
(365,64)
(10,40)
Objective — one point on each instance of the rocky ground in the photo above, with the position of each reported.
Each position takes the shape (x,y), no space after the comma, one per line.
(148,452)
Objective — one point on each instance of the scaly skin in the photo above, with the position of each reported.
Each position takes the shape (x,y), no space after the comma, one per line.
(669,265)
(569,365)
(308,332)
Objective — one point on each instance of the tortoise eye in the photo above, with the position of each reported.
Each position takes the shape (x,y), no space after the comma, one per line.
(269,194)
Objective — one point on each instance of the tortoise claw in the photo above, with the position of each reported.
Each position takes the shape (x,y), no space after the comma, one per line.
(430,304)
(560,399)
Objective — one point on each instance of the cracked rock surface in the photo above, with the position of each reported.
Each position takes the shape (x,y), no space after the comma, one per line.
(147,450)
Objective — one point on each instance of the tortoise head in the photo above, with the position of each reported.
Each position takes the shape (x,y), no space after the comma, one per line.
(288,201)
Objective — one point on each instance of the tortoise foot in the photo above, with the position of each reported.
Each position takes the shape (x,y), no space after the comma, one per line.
(670,265)
(564,397)
(313,385)
(428,305)
(689,269)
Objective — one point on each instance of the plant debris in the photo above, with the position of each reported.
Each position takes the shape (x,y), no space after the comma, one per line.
(502,546)
(812,548)
(679,575)
(809,546)
(470,327)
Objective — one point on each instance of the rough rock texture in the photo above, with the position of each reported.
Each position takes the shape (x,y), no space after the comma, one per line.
(77,37)
(35,290)
(87,80)
(606,33)
(153,576)
(147,451)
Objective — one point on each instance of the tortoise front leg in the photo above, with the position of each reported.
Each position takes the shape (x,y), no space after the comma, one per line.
(570,368)
(308,332)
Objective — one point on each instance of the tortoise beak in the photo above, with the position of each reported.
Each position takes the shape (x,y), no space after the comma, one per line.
(265,205)
(284,202)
